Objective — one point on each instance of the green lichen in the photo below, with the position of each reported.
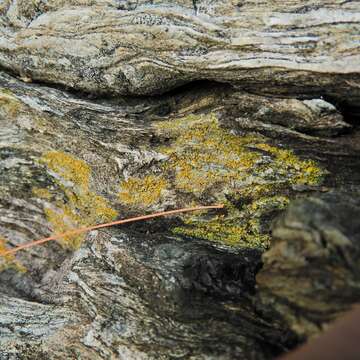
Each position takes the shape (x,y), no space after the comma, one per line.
(80,206)
(142,192)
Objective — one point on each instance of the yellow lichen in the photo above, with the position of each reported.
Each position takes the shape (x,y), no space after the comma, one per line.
(9,261)
(205,161)
(68,168)
(303,172)
(62,219)
(142,191)
(203,156)
(80,206)
(9,103)
(220,229)
(42,193)
(12,107)
(237,228)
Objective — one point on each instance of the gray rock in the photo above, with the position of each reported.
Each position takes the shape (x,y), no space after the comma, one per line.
(314,260)
(148,47)
(293,117)
(169,288)
(216,285)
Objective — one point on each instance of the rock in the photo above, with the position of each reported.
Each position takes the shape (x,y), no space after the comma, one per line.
(136,293)
(261,118)
(313,263)
(187,286)
(291,117)
(147,47)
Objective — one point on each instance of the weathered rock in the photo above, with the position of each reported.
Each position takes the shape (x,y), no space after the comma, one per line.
(284,117)
(189,287)
(148,47)
(181,287)
(310,274)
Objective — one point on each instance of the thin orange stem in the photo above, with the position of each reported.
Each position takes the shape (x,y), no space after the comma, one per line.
(100,226)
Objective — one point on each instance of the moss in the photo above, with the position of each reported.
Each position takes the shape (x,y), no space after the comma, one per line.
(80,206)
(9,261)
(142,191)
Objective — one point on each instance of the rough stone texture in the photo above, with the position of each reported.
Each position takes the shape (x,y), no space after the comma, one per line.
(147,47)
(147,291)
(290,117)
(315,245)
(277,142)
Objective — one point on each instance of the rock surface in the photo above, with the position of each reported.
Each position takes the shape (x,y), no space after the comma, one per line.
(276,140)
(179,287)
(147,47)
(315,245)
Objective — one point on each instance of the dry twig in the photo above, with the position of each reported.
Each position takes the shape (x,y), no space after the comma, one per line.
(100,226)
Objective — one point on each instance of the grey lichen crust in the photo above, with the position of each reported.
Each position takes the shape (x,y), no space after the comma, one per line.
(148,47)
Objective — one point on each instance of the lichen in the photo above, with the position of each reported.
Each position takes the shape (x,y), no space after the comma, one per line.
(142,191)
(42,193)
(302,172)
(69,168)
(79,206)
(203,156)
(9,103)
(9,261)
(207,162)
(237,228)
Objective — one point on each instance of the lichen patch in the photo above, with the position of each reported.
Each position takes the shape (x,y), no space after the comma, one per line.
(142,192)
(206,163)
(68,168)
(9,261)
(9,103)
(79,205)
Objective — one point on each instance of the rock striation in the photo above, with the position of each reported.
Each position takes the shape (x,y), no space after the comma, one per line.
(262,117)
(148,47)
